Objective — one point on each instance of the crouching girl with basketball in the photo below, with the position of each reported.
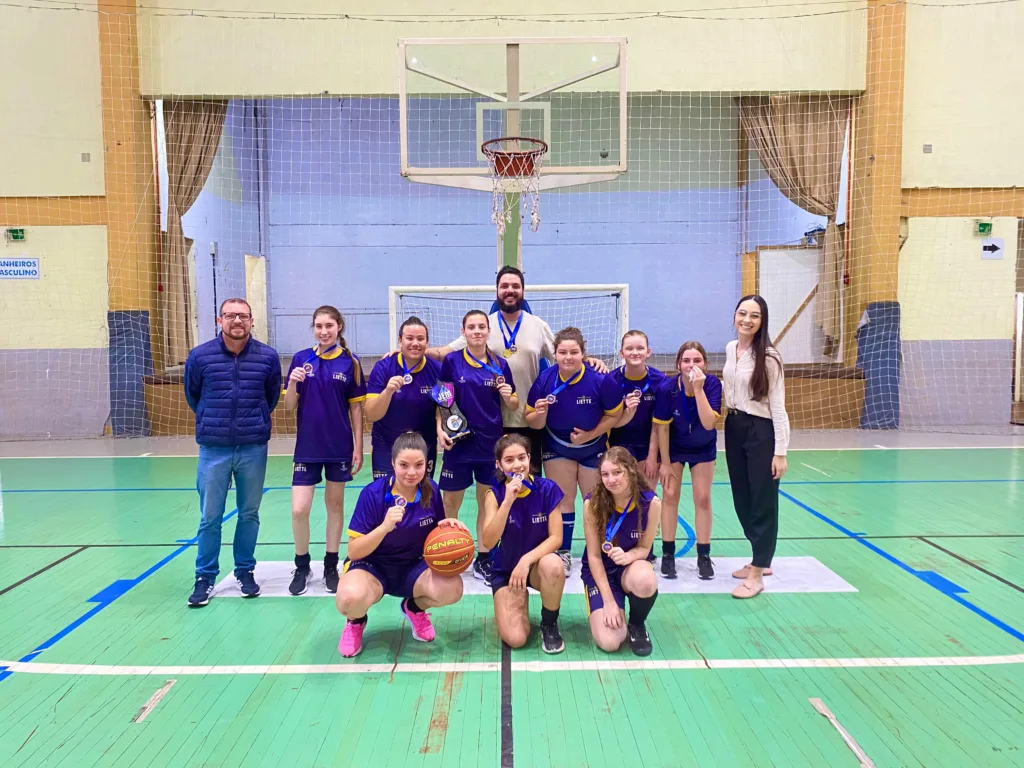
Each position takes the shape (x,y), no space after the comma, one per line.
(523,528)
(620,519)
(391,522)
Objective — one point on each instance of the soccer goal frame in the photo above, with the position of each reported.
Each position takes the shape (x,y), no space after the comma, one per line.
(487,294)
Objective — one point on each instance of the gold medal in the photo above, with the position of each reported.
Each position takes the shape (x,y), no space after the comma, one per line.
(507,353)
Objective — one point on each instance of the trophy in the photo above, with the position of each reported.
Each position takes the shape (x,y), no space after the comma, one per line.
(453,421)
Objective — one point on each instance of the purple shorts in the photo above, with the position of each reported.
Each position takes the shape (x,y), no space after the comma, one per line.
(310,472)
(398,580)
(458,477)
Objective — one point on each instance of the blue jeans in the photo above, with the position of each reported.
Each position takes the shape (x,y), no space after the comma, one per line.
(248,463)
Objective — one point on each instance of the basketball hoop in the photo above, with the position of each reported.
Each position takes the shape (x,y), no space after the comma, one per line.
(515,163)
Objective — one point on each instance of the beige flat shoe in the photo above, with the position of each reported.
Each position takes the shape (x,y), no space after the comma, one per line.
(743,592)
(743,572)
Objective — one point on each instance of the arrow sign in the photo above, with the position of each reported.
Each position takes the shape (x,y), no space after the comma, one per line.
(992,248)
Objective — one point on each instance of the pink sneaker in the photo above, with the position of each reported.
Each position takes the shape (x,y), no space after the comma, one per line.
(422,629)
(351,642)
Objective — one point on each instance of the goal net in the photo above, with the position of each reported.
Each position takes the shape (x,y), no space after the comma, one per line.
(601,312)
(165,157)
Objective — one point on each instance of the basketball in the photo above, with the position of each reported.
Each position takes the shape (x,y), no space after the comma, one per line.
(448,551)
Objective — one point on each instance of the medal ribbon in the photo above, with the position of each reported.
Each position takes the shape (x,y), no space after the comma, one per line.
(508,335)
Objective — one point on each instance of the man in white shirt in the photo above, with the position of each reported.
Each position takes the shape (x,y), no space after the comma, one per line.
(522,339)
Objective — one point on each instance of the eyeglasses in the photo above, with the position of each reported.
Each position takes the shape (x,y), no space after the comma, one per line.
(240,315)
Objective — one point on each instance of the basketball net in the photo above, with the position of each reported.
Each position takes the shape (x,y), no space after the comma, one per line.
(515,174)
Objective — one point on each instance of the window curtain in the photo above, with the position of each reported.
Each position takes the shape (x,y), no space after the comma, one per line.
(193,130)
(799,140)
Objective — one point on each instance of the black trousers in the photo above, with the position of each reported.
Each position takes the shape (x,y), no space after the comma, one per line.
(536,438)
(749,448)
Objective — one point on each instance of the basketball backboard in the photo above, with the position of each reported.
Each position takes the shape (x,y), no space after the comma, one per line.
(457,93)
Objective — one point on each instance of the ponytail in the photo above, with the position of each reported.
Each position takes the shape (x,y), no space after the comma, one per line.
(413,441)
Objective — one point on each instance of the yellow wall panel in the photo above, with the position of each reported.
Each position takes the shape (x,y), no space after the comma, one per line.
(66,308)
(964,70)
(946,290)
(235,48)
(50,106)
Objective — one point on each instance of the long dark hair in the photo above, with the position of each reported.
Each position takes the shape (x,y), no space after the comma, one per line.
(505,442)
(763,349)
(413,441)
(602,503)
(335,315)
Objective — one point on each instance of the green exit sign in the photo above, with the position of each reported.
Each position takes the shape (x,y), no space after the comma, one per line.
(983,227)
(16,235)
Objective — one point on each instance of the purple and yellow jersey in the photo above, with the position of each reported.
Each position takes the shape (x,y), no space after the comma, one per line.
(629,534)
(411,408)
(686,433)
(637,433)
(527,524)
(324,430)
(403,545)
(584,400)
(476,395)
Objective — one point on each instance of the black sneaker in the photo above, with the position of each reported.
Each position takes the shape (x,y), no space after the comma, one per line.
(668,567)
(201,593)
(299,578)
(552,638)
(705,568)
(331,578)
(639,640)
(247,583)
(482,570)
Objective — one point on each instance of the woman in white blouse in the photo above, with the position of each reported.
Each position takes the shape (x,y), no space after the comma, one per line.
(756,437)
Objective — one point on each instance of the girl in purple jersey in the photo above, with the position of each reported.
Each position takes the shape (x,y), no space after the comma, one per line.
(621,520)
(482,381)
(685,422)
(393,517)
(523,527)
(641,386)
(326,387)
(575,407)
(398,397)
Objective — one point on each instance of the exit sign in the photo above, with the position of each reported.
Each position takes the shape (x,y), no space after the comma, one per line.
(15,235)
(983,228)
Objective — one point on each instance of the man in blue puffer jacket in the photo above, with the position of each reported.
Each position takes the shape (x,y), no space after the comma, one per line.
(232,383)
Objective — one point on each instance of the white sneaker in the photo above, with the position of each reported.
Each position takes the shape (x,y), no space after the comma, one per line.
(566,560)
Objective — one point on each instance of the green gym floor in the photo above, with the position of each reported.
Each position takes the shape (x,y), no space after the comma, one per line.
(102,664)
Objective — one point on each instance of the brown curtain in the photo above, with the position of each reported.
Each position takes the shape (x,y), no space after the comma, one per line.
(799,140)
(193,131)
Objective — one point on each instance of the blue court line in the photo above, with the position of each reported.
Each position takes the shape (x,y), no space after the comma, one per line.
(107,596)
(357,487)
(931,578)
(691,538)
(141,490)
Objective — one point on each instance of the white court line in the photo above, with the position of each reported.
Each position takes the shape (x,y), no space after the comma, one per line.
(865,761)
(150,705)
(596,665)
(826,474)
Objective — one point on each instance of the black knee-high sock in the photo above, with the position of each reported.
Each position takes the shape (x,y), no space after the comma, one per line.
(411,605)
(639,608)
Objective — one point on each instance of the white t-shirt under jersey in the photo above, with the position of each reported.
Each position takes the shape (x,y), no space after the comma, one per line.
(533,341)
